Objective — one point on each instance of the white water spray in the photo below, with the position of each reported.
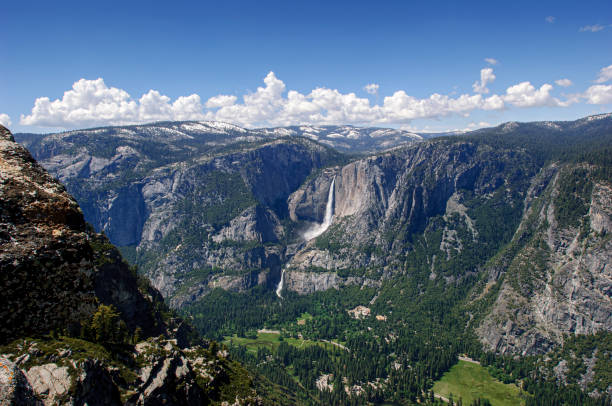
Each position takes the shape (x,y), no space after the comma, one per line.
(279,288)
(319,229)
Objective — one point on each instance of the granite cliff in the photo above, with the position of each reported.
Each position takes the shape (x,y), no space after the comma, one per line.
(555,277)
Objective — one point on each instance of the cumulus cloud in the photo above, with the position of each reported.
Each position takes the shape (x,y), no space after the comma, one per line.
(564,82)
(598,94)
(592,28)
(5,120)
(526,95)
(550,19)
(486,77)
(605,74)
(491,61)
(221,100)
(92,102)
(371,88)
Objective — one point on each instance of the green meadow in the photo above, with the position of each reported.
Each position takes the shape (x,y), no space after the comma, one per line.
(472,381)
(271,341)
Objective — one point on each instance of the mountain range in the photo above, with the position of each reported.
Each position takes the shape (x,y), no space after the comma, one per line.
(494,243)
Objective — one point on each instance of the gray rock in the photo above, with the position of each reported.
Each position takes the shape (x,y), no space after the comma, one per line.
(50,382)
(15,390)
(568,292)
(169,381)
(309,282)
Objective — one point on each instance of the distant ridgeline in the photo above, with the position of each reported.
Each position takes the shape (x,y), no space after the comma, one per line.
(494,243)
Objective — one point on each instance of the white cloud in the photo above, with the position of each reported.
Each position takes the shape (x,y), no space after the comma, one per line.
(526,95)
(371,88)
(592,28)
(605,74)
(92,102)
(5,120)
(491,61)
(564,82)
(221,100)
(550,19)
(486,77)
(598,94)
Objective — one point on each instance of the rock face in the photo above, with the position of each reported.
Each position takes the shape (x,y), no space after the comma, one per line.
(558,280)
(44,252)
(50,381)
(170,377)
(55,272)
(383,203)
(155,372)
(54,268)
(15,390)
(208,214)
(309,282)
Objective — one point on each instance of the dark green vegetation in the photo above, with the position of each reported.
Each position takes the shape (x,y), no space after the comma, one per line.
(392,355)
(547,384)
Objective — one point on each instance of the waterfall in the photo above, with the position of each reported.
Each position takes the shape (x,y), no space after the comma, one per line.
(315,230)
(319,229)
(279,288)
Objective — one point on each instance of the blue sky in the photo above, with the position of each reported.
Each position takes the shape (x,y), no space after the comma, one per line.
(425,62)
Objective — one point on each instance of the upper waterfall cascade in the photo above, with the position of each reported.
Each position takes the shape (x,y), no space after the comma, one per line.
(319,229)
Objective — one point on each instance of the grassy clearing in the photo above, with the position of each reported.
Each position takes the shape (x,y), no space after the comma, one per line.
(471,381)
(271,341)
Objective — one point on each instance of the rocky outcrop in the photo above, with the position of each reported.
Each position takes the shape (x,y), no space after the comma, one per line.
(168,378)
(305,283)
(254,224)
(94,384)
(55,270)
(558,279)
(15,390)
(51,382)
(156,372)
(45,256)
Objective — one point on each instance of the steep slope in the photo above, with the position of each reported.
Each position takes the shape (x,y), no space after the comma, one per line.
(556,273)
(195,205)
(49,256)
(525,204)
(71,311)
(437,198)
